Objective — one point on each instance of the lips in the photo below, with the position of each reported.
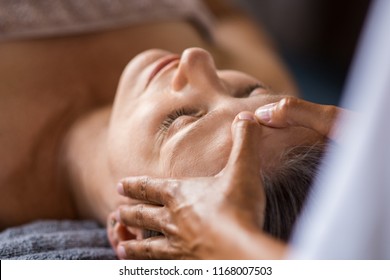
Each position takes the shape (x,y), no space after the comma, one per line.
(161,64)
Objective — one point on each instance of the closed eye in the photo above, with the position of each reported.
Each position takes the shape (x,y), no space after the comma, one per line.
(247,91)
(170,119)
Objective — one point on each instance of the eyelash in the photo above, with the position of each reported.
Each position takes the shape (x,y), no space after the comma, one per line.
(176,114)
(191,112)
(248,90)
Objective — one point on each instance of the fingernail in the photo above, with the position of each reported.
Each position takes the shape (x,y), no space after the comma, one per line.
(118,215)
(264,113)
(246,116)
(121,252)
(120,189)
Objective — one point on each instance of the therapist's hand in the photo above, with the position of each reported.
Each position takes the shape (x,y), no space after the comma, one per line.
(217,217)
(292,111)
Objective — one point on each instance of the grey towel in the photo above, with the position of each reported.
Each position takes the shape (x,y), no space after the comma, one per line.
(56,240)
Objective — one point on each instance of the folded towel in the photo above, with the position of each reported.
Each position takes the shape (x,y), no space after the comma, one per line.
(56,240)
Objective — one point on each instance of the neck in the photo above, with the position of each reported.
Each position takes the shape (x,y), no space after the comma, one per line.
(86,169)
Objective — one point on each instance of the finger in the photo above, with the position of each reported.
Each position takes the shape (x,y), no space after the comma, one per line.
(245,157)
(245,188)
(150,248)
(117,232)
(111,225)
(145,216)
(291,111)
(158,191)
(111,220)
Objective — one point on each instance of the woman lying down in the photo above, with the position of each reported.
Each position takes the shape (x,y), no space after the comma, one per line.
(172,117)
(262,164)
(63,152)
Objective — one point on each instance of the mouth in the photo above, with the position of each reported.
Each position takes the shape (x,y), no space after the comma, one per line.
(161,65)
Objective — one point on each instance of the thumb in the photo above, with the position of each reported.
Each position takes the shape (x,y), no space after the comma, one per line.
(244,161)
(292,111)
(246,189)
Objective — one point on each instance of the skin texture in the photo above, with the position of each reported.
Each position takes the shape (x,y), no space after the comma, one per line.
(185,210)
(57,140)
(292,111)
(198,142)
(171,117)
(195,80)
(56,99)
(189,235)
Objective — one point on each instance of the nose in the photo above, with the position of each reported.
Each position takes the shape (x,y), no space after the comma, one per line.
(196,68)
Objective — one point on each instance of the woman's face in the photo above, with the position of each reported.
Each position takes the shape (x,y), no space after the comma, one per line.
(172,116)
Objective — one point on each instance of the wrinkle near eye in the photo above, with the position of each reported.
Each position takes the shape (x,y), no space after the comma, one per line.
(197,144)
(171,120)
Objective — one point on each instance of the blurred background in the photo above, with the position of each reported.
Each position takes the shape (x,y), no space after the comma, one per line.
(317,39)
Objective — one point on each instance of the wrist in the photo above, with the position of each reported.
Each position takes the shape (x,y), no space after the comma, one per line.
(242,240)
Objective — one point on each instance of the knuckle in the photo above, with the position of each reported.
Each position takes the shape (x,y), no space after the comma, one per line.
(286,105)
(144,182)
(139,213)
(173,190)
(289,101)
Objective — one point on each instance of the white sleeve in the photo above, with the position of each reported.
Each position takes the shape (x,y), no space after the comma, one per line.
(349,218)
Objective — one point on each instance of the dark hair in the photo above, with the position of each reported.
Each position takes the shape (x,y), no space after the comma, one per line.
(288,185)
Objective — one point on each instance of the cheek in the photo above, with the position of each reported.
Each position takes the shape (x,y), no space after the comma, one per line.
(119,155)
(207,163)
(131,143)
(126,153)
(203,157)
